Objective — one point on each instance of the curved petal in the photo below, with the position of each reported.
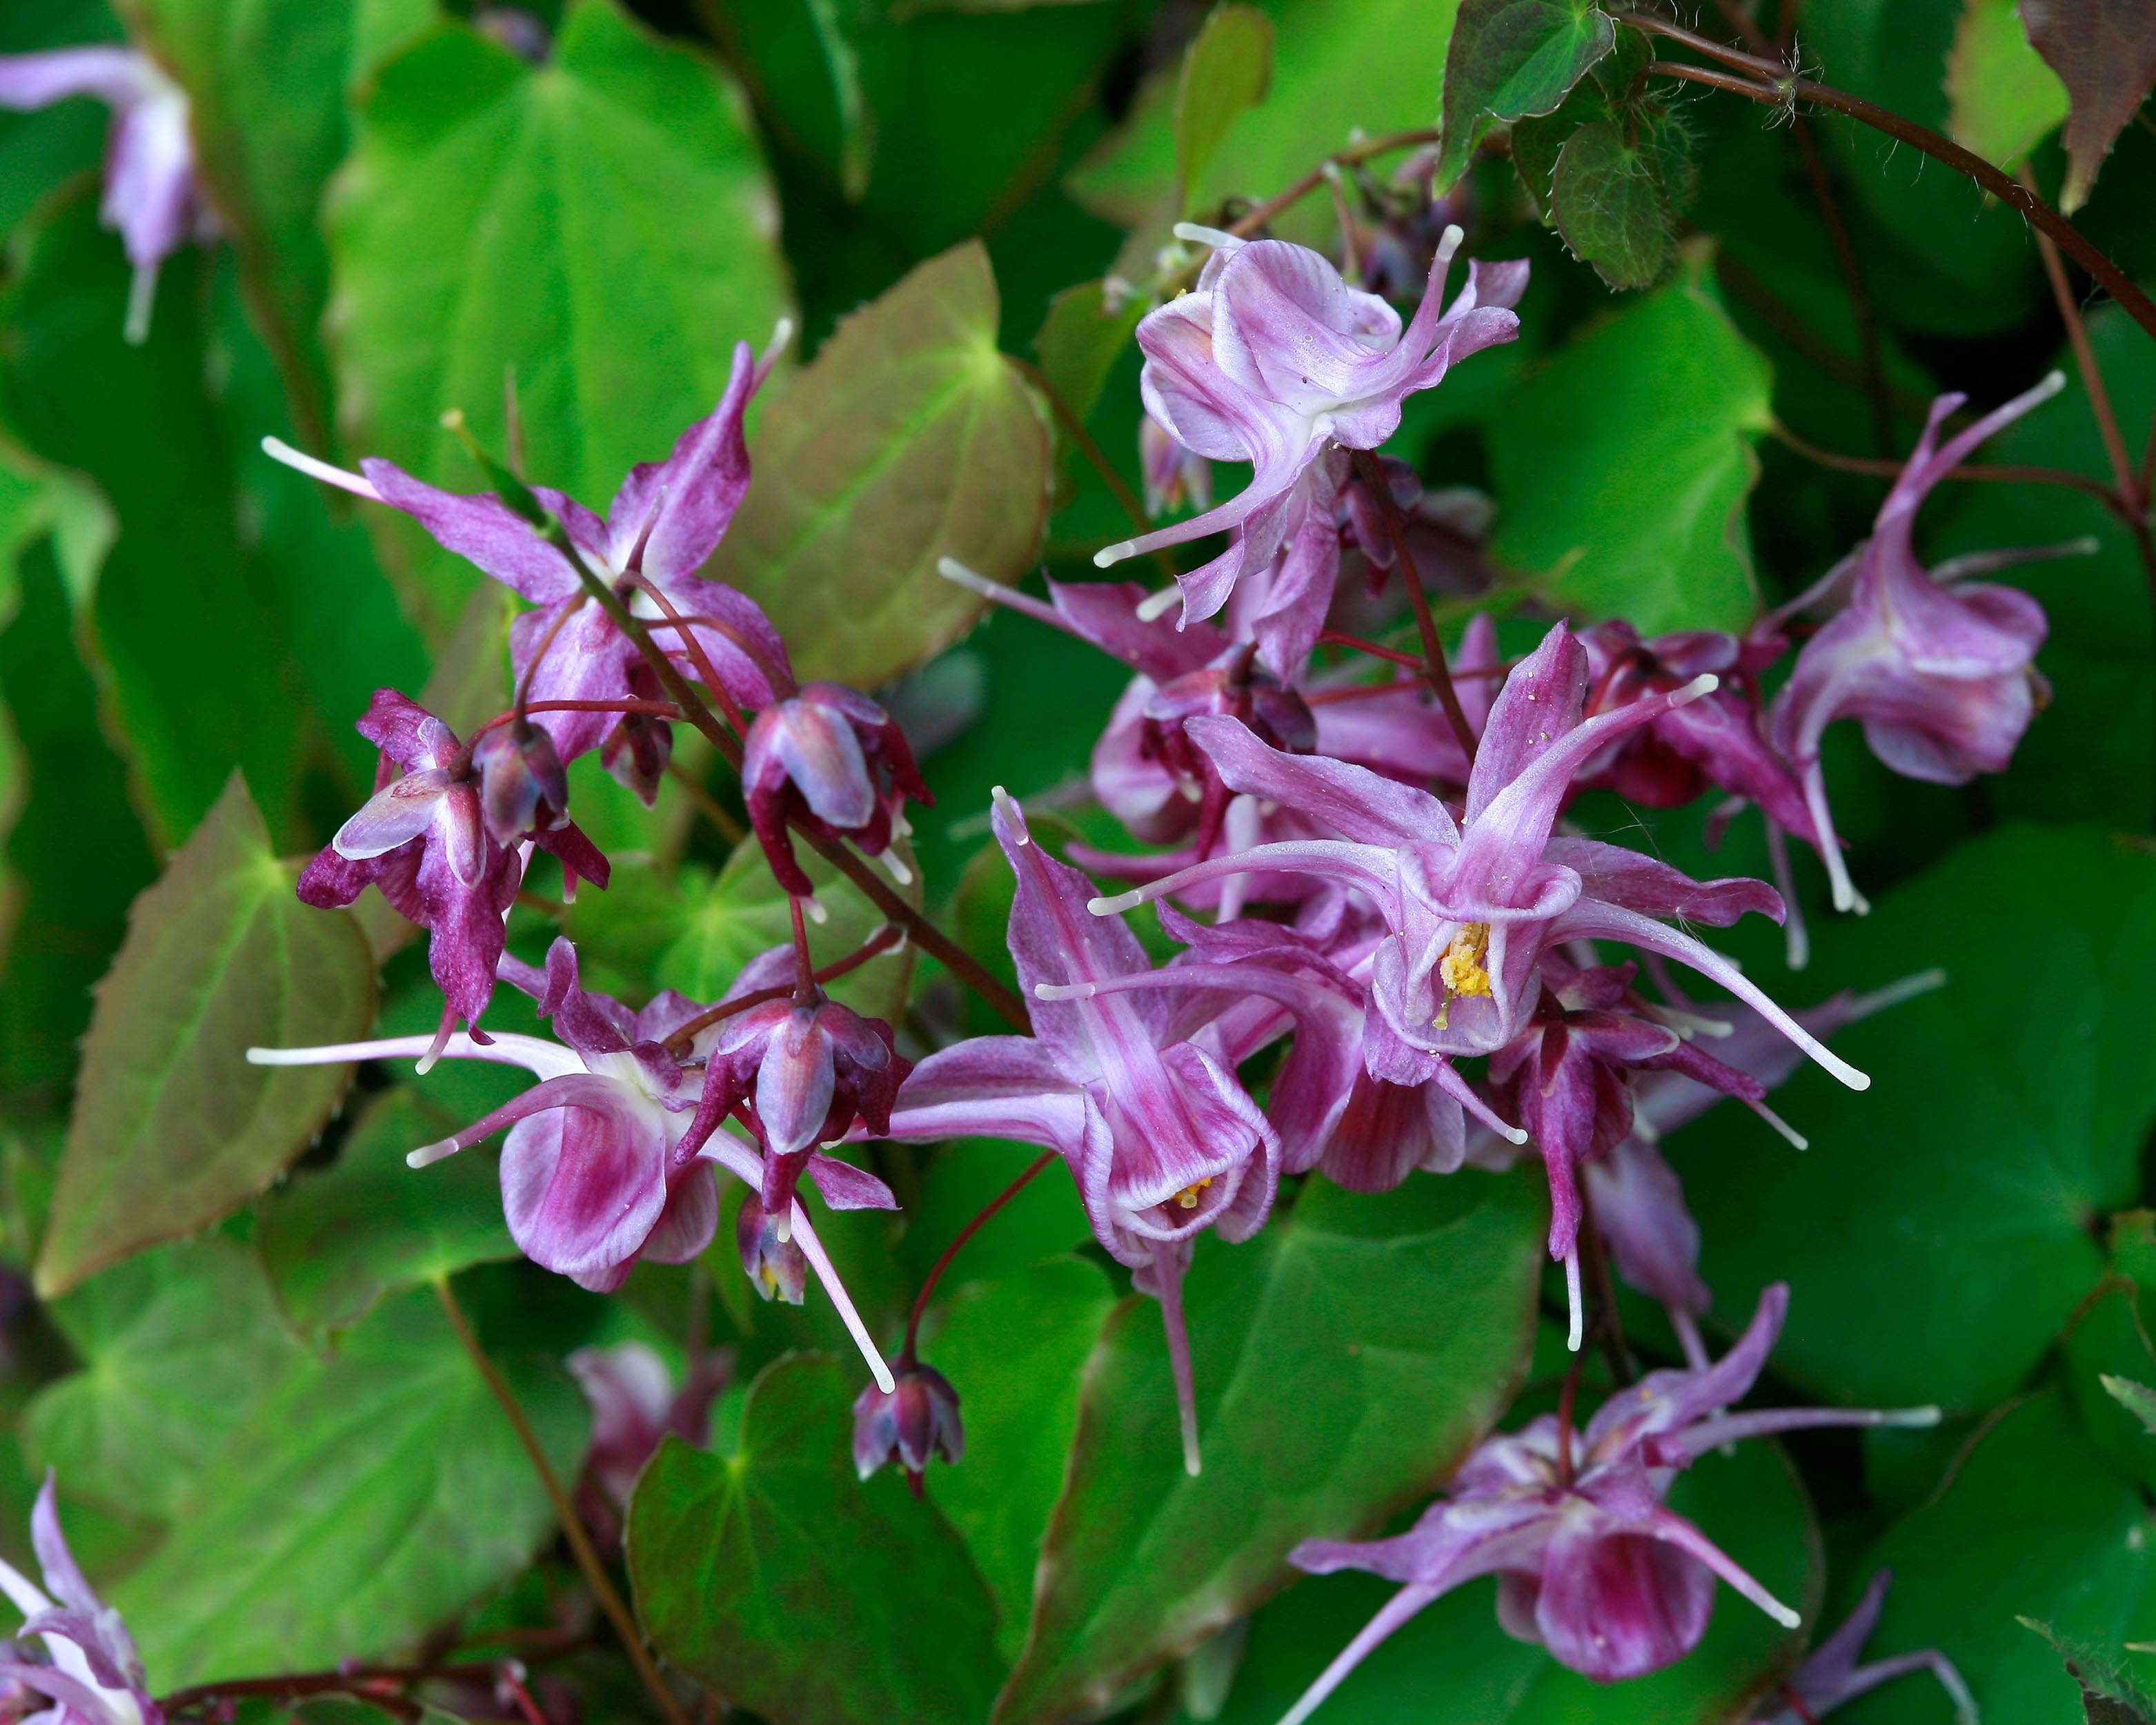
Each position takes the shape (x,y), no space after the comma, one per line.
(398,814)
(1360,805)
(1617,1606)
(668,516)
(481,529)
(690,1219)
(583,1186)
(113,75)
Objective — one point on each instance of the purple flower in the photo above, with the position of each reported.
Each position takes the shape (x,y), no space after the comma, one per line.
(798,1069)
(1713,741)
(1347,1100)
(1940,671)
(1173,476)
(1591,1562)
(633,1405)
(1274,360)
(1161,1139)
(775,1264)
(832,762)
(664,524)
(912,1421)
(594,1172)
(1831,1675)
(152,194)
(94,1677)
(1147,772)
(436,842)
(1470,905)
(1567,1076)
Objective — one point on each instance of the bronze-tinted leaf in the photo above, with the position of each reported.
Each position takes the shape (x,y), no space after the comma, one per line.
(908,439)
(2104,52)
(172,1129)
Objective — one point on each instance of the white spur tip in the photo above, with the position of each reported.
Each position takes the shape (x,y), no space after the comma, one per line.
(950,569)
(1197,234)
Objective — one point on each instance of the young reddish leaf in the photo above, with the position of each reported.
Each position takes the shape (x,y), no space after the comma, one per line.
(2104,51)
(172,1129)
(910,439)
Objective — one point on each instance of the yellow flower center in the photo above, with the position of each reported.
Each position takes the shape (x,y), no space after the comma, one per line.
(1461,965)
(1188,1198)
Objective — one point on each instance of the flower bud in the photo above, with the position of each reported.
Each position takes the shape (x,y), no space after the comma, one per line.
(777,1269)
(1173,476)
(521,785)
(917,1418)
(832,761)
(637,749)
(1233,685)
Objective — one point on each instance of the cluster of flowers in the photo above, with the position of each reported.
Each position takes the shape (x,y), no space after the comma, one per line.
(1387,886)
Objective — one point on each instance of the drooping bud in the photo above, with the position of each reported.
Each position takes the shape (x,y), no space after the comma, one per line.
(1233,685)
(777,1269)
(1174,476)
(916,1419)
(638,749)
(832,761)
(521,785)
(1361,512)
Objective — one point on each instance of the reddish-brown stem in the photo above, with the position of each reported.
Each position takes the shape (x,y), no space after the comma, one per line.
(1096,458)
(882,940)
(366,1682)
(1784,90)
(804,967)
(1391,655)
(1251,221)
(2122,474)
(523,699)
(935,1270)
(2130,499)
(522,1697)
(1762,65)
(1433,651)
(930,938)
(565,1512)
(780,686)
(1795,1703)
(1977,472)
(1852,280)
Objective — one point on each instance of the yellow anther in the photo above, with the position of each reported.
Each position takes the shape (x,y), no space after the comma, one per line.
(1188,1198)
(1459,967)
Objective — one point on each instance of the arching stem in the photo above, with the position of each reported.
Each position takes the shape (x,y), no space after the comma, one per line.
(943,1263)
